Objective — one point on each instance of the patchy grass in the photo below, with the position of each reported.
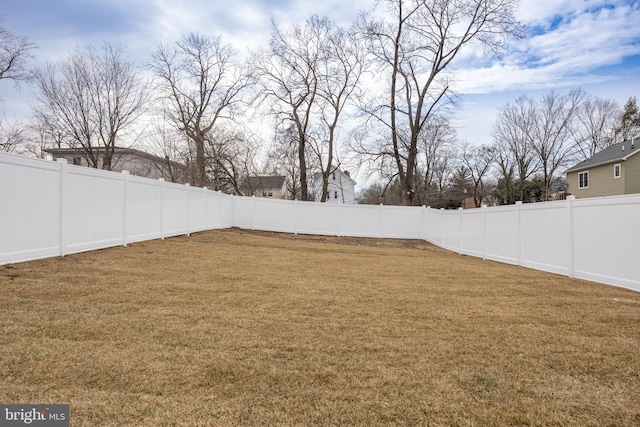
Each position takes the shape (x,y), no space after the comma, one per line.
(239,328)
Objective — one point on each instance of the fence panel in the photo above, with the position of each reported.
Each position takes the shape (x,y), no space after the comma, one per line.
(272,215)
(502,231)
(51,208)
(360,220)
(402,222)
(143,209)
(433,223)
(174,209)
(450,233)
(196,211)
(226,210)
(94,206)
(472,230)
(545,236)
(243,212)
(606,240)
(29,209)
(218,212)
(316,218)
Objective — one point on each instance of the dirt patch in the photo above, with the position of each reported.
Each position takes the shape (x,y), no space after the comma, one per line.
(341,240)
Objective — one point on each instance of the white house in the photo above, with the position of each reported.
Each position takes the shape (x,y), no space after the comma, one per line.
(341,188)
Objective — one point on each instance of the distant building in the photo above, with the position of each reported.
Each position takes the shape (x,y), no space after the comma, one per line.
(340,189)
(610,172)
(264,186)
(469,202)
(137,162)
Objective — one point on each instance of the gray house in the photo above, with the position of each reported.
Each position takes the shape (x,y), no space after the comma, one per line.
(265,186)
(611,172)
(137,162)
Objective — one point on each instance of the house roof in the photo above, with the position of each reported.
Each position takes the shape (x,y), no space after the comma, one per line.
(253,183)
(318,176)
(117,151)
(613,153)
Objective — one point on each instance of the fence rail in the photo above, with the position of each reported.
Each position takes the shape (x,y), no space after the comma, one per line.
(52,209)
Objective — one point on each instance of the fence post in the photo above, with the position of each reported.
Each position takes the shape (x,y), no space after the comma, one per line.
(422,226)
(442,227)
(231,207)
(161,208)
(253,212)
(380,221)
(460,231)
(295,216)
(125,196)
(484,232)
(63,206)
(205,190)
(187,187)
(426,223)
(519,232)
(220,208)
(571,271)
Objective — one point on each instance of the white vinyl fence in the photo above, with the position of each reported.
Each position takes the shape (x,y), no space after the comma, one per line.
(52,209)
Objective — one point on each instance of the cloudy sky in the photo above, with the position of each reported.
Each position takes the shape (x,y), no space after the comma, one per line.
(593,44)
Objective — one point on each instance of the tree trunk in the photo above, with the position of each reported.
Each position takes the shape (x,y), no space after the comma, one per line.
(304,190)
(201,173)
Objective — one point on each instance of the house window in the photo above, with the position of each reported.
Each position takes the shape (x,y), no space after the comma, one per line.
(335,194)
(583,180)
(334,175)
(264,194)
(617,171)
(270,194)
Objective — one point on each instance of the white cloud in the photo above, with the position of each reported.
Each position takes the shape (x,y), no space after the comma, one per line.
(537,12)
(570,54)
(245,24)
(571,41)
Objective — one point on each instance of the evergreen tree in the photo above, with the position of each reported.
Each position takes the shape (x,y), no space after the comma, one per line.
(629,124)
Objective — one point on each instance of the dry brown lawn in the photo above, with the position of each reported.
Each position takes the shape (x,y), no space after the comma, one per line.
(244,328)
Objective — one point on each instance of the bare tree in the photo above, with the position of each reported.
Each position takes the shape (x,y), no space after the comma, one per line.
(552,131)
(596,122)
(505,192)
(434,142)
(443,174)
(40,136)
(307,71)
(166,142)
(15,53)
(512,132)
(478,161)
(372,195)
(90,100)
(339,74)
(384,193)
(232,156)
(540,135)
(282,158)
(416,44)
(202,86)
(12,136)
